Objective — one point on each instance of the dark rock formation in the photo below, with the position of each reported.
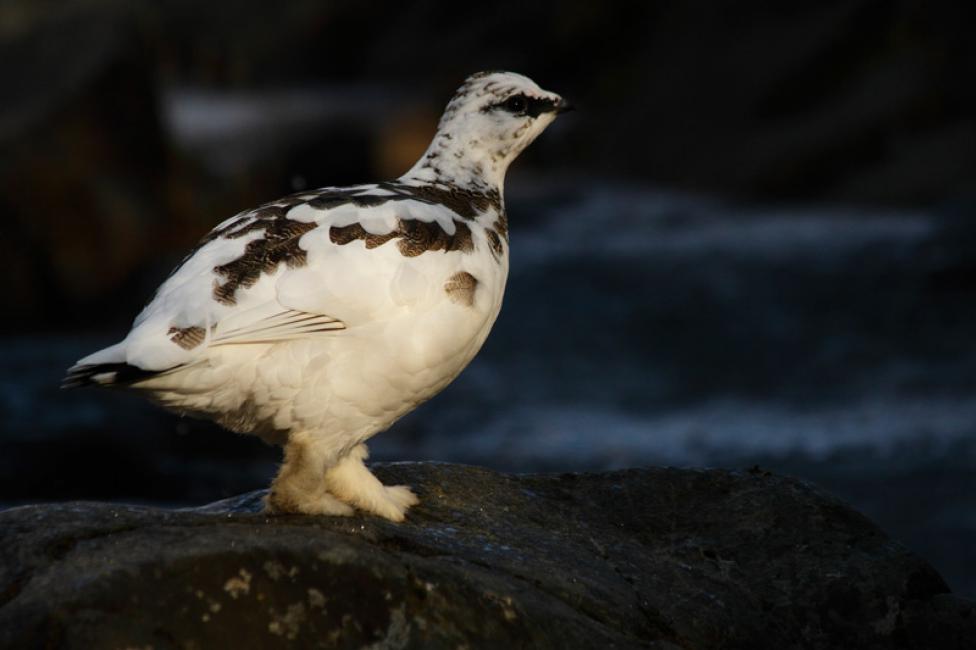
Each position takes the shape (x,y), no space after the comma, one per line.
(655,558)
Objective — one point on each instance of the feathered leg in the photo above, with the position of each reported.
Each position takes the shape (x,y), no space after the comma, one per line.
(299,486)
(351,482)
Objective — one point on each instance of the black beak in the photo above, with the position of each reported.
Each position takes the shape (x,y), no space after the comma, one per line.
(538,105)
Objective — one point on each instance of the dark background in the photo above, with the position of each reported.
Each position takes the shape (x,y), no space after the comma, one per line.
(752,244)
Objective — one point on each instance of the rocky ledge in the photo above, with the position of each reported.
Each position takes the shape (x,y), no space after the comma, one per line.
(642,558)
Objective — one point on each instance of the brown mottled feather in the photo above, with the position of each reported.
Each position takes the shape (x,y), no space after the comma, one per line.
(495,242)
(415,237)
(460,288)
(187,337)
(279,244)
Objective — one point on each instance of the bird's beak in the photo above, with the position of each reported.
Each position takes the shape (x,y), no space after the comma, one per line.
(562,106)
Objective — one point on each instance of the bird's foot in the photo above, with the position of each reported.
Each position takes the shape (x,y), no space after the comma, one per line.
(395,501)
(401,495)
(353,483)
(390,502)
(283,502)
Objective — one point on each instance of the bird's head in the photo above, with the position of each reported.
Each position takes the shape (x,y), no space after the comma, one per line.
(492,117)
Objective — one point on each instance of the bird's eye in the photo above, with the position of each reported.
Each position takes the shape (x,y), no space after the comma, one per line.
(516,104)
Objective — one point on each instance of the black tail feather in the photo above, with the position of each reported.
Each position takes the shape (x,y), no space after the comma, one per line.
(105,375)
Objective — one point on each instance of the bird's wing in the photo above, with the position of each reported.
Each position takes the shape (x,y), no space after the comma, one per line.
(281,325)
(305,266)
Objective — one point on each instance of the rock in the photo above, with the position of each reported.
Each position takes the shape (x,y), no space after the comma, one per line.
(652,558)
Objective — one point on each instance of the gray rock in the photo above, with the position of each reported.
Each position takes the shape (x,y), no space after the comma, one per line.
(651,558)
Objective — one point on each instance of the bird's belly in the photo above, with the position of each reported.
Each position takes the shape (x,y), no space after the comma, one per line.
(347,386)
(402,362)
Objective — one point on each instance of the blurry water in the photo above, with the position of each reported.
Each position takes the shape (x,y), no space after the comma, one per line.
(639,328)
(683,330)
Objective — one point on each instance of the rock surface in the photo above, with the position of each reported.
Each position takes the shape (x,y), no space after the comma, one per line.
(651,558)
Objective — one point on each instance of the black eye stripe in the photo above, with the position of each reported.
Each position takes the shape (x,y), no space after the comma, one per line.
(534,106)
(516,104)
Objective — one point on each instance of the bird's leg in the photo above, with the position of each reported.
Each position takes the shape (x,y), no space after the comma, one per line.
(299,486)
(352,482)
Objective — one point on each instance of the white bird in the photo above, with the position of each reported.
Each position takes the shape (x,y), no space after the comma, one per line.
(318,320)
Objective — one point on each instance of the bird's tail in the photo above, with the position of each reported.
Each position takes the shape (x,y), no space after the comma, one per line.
(104,375)
(105,368)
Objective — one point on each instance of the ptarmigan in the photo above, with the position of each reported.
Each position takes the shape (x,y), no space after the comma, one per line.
(317,320)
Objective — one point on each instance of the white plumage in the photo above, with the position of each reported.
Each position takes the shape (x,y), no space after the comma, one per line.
(318,320)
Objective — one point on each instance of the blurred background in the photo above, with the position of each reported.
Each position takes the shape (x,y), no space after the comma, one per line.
(753,244)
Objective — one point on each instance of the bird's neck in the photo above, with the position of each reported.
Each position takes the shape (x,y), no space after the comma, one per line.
(460,160)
